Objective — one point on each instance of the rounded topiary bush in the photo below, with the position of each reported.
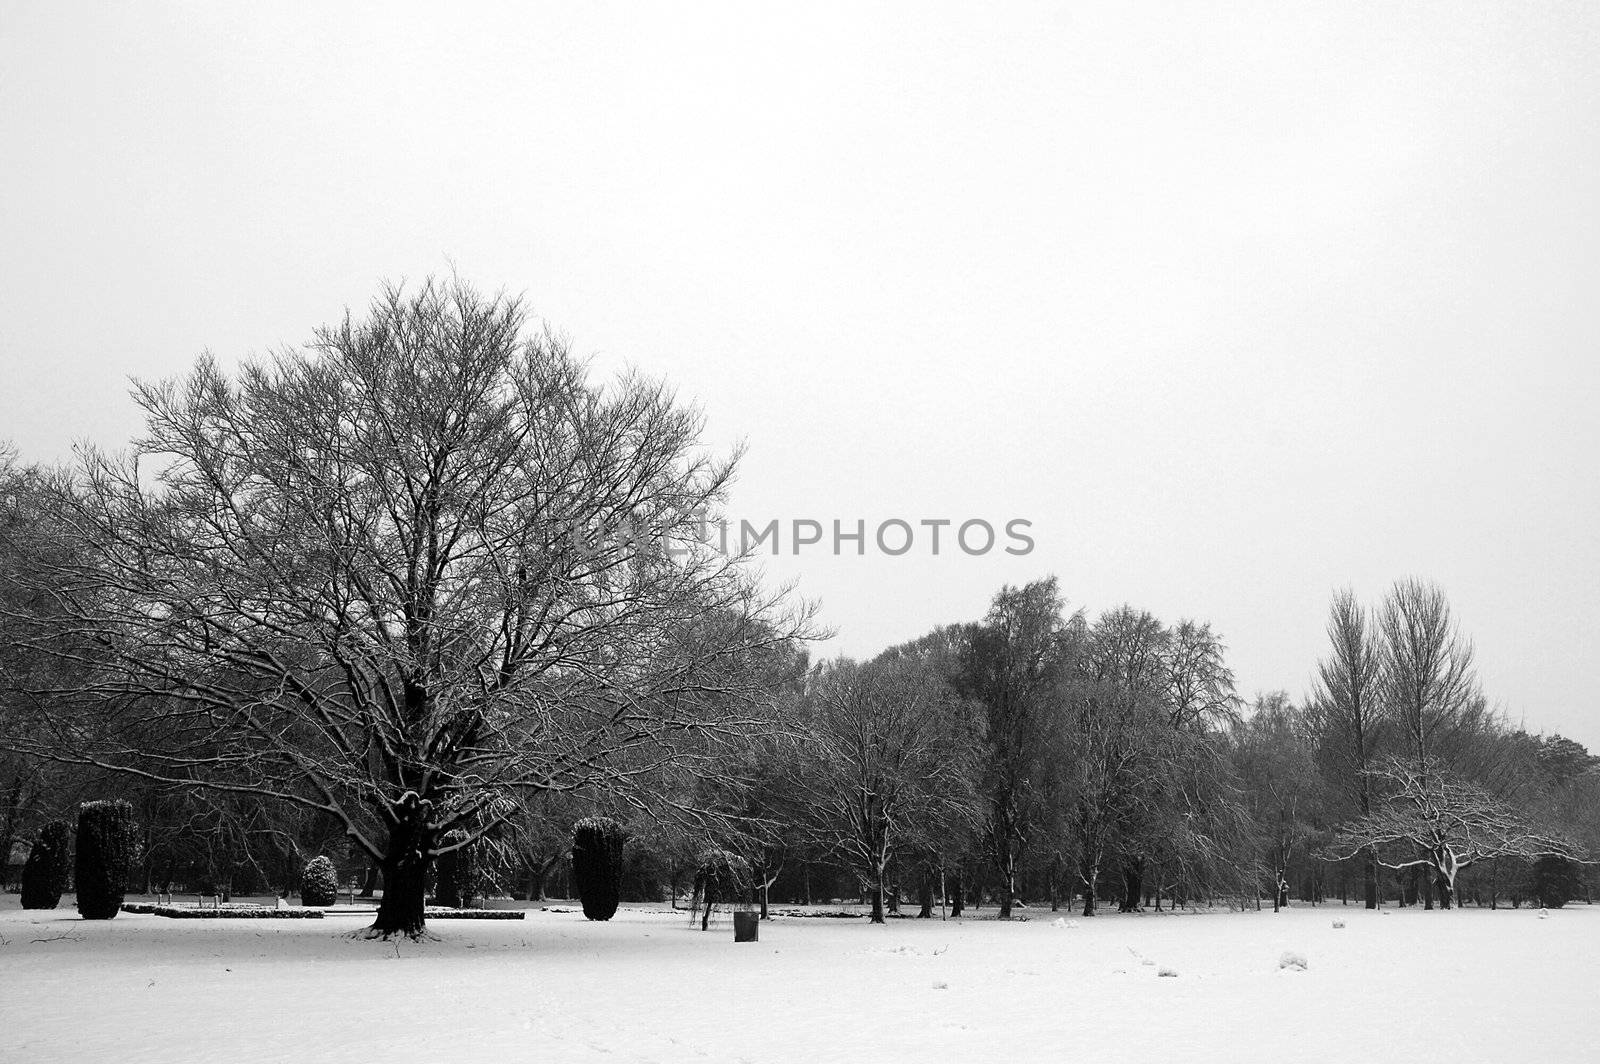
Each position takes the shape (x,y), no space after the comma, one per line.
(44,876)
(319,883)
(597,865)
(105,849)
(1556,881)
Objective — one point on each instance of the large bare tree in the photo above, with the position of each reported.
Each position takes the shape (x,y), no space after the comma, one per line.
(884,761)
(1437,821)
(1015,664)
(400,574)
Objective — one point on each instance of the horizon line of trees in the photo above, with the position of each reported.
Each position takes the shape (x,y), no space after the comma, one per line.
(424,593)
(1030,758)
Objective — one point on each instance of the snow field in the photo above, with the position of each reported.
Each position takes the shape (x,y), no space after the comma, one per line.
(1465,985)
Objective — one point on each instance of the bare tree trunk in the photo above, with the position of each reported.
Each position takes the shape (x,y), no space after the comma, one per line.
(405,880)
(8,833)
(1008,885)
(1132,877)
(1091,887)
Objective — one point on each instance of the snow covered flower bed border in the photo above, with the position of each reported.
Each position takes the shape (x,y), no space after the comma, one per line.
(262,912)
(253,912)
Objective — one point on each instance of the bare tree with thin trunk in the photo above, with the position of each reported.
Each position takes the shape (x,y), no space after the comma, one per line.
(1271,752)
(1346,711)
(1015,664)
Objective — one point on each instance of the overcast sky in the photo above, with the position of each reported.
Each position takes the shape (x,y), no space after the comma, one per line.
(1235,303)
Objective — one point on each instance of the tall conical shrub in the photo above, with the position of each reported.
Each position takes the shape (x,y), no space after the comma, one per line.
(44,876)
(597,865)
(105,848)
(460,874)
(319,882)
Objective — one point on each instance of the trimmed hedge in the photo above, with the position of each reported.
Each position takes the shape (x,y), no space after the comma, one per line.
(319,883)
(105,848)
(474,914)
(44,876)
(597,865)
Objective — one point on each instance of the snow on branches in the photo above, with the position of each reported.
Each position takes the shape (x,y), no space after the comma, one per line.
(1432,819)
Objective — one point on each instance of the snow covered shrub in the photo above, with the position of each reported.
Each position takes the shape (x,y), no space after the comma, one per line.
(1556,881)
(597,865)
(44,876)
(319,883)
(1292,961)
(460,874)
(1338,924)
(105,849)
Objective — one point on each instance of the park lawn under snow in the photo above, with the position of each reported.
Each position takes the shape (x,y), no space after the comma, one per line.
(1468,985)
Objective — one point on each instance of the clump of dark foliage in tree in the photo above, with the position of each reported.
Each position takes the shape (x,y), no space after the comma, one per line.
(597,865)
(319,883)
(720,876)
(44,876)
(105,850)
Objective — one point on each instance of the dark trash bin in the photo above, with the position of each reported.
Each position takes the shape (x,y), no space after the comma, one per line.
(746,926)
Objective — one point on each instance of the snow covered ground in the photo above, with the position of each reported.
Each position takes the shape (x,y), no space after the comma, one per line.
(1467,985)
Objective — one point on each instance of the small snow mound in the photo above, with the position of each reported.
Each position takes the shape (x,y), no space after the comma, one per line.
(1292,961)
(1167,973)
(941,985)
(1337,924)
(1544,914)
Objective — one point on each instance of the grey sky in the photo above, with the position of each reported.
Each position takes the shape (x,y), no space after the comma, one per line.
(1237,303)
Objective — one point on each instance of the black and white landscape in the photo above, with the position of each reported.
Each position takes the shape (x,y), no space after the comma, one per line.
(930,532)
